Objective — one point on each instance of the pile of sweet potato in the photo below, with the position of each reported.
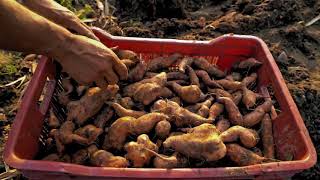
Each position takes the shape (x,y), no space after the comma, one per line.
(171,112)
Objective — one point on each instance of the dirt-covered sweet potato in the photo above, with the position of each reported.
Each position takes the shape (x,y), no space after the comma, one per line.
(244,157)
(203,64)
(204,76)
(176,160)
(248,137)
(162,129)
(163,62)
(248,64)
(234,114)
(189,94)
(137,73)
(122,112)
(256,116)
(249,97)
(90,132)
(126,54)
(249,80)
(53,121)
(80,157)
(102,158)
(126,102)
(219,92)
(205,107)
(202,143)
(137,153)
(196,107)
(104,116)
(178,115)
(223,124)
(90,103)
(267,136)
(122,127)
(128,63)
(194,80)
(237,97)
(215,110)
(229,85)
(176,76)
(183,63)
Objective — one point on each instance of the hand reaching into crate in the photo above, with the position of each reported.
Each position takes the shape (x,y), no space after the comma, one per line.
(84,59)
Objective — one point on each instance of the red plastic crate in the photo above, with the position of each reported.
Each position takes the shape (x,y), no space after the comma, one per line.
(291,136)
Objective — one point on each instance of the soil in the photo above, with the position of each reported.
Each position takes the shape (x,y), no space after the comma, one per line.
(280,23)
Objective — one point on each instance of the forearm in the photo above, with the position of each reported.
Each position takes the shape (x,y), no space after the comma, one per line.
(22,30)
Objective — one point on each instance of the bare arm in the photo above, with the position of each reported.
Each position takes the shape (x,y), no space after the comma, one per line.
(85,60)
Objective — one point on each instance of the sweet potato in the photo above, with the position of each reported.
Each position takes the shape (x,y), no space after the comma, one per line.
(220,92)
(80,157)
(249,97)
(53,121)
(102,158)
(215,110)
(189,94)
(248,137)
(148,75)
(183,63)
(126,102)
(223,124)
(125,126)
(128,63)
(205,107)
(126,54)
(137,73)
(121,111)
(203,64)
(63,98)
(81,90)
(105,115)
(181,82)
(267,136)
(177,100)
(176,160)
(90,103)
(249,64)
(196,107)
(162,129)
(244,157)
(237,97)
(234,114)
(249,80)
(178,115)
(229,85)
(204,76)
(176,76)
(137,153)
(194,80)
(202,143)
(256,116)
(163,62)
(257,151)
(90,132)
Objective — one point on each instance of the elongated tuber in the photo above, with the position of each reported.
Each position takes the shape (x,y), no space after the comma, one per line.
(194,80)
(178,115)
(237,97)
(223,124)
(163,62)
(80,157)
(137,153)
(215,110)
(90,103)
(125,126)
(202,143)
(105,115)
(90,132)
(204,76)
(234,114)
(53,121)
(244,157)
(137,73)
(249,64)
(210,68)
(267,136)
(256,116)
(176,76)
(102,158)
(248,137)
(126,102)
(249,97)
(220,92)
(229,85)
(189,94)
(174,161)
(128,63)
(249,80)
(121,111)
(126,54)
(162,129)
(183,63)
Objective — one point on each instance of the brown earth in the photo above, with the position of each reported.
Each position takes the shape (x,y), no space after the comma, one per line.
(280,23)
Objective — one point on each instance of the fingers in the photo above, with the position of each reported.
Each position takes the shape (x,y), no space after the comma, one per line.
(120,69)
(111,77)
(82,29)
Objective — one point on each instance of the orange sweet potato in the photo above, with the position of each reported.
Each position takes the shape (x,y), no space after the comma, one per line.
(267,136)
(248,137)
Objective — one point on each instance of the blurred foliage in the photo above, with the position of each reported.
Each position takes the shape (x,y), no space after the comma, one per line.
(7,63)
(83,10)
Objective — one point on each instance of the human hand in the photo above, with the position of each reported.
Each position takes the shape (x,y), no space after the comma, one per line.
(87,61)
(60,15)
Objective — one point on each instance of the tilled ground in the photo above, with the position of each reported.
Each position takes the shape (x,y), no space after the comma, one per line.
(280,23)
